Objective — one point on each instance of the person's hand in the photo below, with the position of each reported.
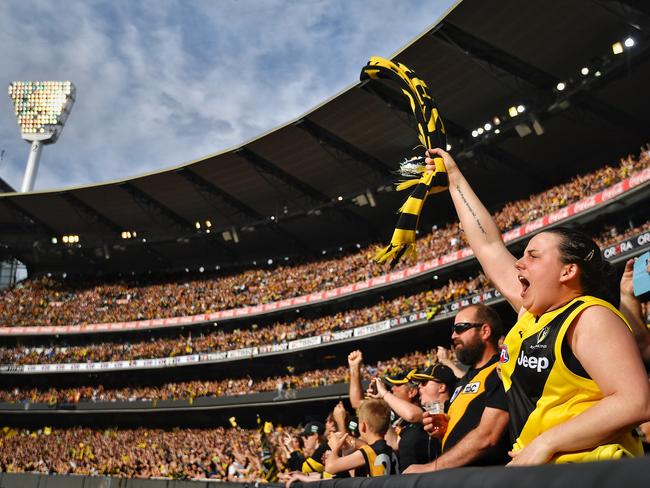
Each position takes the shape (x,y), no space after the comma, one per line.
(443,355)
(381,388)
(336,441)
(627,280)
(427,423)
(339,412)
(291,479)
(537,452)
(450,164)
(354,359)
(286,440)
(372,392)
(434,431)
(420,468)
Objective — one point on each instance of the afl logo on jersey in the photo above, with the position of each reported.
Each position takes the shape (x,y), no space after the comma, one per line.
(503,355)
(542,334)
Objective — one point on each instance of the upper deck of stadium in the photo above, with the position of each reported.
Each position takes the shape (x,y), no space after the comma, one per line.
(311,184)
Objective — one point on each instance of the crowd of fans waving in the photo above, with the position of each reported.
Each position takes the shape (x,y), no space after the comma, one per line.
(228,454)
(218,453)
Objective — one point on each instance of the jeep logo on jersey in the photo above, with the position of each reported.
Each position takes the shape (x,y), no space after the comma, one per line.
(533,362)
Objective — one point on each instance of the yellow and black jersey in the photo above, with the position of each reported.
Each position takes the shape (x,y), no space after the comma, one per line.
(478,389)
(546,385)
(315,463)
(380,459)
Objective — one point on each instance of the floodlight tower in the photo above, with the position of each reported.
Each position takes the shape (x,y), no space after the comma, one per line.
(42,108)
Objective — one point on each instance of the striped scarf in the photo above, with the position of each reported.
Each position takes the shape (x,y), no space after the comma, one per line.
(431,133)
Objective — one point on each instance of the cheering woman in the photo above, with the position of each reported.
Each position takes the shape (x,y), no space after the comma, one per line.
(573,375)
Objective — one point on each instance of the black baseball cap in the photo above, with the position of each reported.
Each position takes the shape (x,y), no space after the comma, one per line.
(313,428)
(399,378)
(437,372)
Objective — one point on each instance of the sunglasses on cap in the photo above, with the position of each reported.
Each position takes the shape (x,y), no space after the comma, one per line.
(461,327)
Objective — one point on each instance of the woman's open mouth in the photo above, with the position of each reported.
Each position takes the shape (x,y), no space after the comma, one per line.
(525,284)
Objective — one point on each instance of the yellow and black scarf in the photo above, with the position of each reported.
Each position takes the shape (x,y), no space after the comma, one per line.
(431,133)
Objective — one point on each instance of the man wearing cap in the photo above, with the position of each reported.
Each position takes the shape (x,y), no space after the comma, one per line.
(315,447)
(407,436)
(436,383)
(478,417)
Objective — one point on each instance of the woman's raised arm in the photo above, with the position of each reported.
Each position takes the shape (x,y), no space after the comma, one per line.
(482,233)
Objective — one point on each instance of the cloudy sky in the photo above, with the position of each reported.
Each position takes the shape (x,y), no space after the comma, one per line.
(162,82)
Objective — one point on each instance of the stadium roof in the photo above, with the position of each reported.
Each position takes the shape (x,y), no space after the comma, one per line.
(278,195)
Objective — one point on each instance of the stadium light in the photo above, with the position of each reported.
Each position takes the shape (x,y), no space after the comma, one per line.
(629,42)
(512,111)
(560,86)
(69,239)
(41,108)
(617,48)
(584,71)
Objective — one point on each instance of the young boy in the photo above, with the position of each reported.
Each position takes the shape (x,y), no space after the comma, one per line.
(377,457)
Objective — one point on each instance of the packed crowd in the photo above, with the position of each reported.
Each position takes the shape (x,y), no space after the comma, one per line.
(226,454)
(218,340)
(214,339)
(207,388)
(50,301)
(613,234)
(223,454)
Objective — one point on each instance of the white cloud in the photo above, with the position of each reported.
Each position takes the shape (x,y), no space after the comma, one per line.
(164,82)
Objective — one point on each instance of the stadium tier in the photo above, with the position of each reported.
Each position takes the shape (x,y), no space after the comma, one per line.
(51,301)
(199,328)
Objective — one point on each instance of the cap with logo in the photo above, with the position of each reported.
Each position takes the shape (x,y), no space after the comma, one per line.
(399,378)
(437,372)
(313,428)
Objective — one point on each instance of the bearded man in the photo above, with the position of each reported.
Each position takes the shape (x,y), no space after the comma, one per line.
(478,414)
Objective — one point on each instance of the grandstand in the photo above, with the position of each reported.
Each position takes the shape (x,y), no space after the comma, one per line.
(160,340)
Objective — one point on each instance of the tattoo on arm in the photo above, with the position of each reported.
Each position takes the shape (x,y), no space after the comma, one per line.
(471,210)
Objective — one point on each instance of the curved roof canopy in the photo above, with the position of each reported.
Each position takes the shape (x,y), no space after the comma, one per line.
(278,195)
